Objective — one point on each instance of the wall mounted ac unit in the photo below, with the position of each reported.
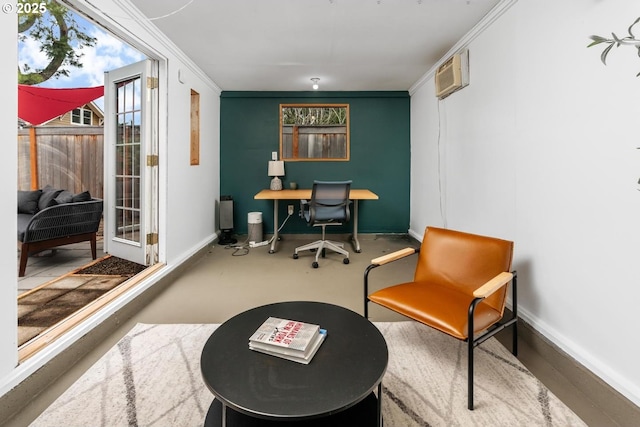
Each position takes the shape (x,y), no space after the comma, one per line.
(453,75)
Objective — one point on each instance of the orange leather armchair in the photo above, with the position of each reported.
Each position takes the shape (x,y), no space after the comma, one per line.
(460,284)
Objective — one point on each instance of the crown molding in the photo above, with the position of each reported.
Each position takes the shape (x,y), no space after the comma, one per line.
(118,15)
(464,42)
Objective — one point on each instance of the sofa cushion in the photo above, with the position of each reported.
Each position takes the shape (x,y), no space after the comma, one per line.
(85,196)
(64,197)
(23,221)
(28,201)
(48,197)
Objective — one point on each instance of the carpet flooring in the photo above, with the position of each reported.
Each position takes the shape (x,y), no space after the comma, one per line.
(152,378)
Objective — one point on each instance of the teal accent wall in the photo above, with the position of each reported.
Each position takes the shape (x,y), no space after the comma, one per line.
(379,161)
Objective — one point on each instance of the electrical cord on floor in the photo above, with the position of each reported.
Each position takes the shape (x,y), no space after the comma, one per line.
(241,249)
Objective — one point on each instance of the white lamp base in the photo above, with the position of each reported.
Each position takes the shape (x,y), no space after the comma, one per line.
(276,183)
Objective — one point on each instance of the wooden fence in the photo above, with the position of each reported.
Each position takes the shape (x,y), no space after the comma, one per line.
(68,157)
(315,142)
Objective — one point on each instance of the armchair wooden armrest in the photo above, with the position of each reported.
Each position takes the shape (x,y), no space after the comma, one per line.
(393,256)
(493,285)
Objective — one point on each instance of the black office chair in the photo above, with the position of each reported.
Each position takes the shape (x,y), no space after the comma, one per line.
(329,205)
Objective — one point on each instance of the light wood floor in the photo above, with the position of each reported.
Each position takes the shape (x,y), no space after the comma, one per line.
(221,282)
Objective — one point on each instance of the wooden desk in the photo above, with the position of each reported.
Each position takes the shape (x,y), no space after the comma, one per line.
(276,195)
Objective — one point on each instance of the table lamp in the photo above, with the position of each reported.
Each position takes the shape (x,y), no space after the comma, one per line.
(276,169)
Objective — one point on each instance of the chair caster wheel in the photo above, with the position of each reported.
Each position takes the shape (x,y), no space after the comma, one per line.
(345,261)
(295,256)
(314,264)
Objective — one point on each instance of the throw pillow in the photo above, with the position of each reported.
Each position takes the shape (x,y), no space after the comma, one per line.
(64,197)
(85,196)
(48,197)
(28,201)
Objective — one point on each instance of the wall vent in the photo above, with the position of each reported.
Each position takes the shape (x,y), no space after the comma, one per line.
(453,74)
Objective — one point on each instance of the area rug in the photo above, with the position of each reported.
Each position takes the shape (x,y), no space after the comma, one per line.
(152,378)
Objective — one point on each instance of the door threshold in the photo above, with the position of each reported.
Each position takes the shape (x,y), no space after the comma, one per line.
(51,334)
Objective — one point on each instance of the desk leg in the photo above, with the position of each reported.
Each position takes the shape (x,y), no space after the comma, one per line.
(275,227)
(354,236)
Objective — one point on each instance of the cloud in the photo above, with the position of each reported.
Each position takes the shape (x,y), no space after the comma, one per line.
(109,53)
(29,53)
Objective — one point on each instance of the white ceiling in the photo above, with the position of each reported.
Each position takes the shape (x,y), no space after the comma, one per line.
(279,45)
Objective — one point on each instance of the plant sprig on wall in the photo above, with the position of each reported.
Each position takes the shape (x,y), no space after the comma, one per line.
(616,41)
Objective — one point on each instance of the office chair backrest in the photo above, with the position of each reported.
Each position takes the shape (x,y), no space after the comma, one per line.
(329,201)
(464,261)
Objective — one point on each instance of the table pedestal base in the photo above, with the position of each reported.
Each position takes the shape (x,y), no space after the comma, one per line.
(362,414)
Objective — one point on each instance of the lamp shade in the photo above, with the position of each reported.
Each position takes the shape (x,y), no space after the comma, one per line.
(276,168)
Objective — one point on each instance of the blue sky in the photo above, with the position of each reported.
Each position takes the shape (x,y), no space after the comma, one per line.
(109,53)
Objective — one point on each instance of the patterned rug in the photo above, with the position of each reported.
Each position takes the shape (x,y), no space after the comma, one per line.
(152,378)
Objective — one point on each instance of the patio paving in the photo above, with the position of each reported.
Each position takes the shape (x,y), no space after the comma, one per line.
(51,264)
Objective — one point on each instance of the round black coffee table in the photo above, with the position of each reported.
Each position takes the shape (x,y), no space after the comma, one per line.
(255,389)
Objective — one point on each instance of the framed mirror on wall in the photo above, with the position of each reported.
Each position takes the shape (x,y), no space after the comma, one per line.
(314,132)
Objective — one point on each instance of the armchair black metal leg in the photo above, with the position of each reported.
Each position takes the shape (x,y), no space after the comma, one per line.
(514,297)
(471,345)
(470,376)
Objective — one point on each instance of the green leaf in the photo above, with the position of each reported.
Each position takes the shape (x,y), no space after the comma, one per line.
(631,26)
(603,55)
(597,40)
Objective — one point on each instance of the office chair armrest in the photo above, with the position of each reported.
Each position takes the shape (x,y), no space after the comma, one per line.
(394,256)
(493,285)
(304,206)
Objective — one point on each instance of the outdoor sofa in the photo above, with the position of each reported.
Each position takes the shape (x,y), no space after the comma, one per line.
(49,218)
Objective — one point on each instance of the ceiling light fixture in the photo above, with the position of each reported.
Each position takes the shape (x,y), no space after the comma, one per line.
(315,81)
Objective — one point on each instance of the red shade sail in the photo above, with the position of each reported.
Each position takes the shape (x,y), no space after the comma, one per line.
(37,105)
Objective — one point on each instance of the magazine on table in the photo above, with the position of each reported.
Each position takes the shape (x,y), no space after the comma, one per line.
(289,354)
(289,339)
(285,333)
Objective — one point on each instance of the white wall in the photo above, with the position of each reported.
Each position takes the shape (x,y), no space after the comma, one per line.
(190,210)
(187,194)
(540,148)
(9,167)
